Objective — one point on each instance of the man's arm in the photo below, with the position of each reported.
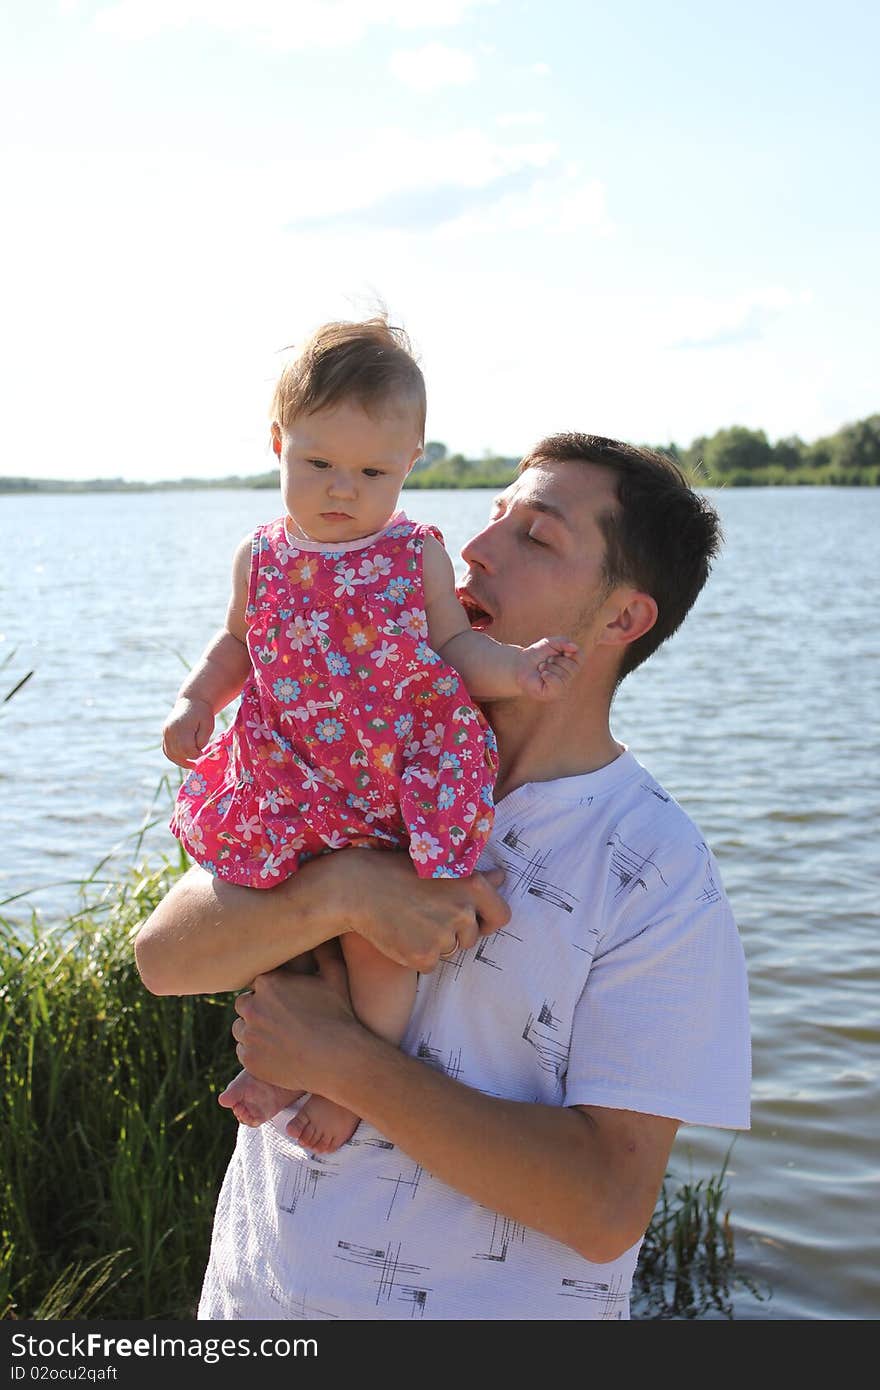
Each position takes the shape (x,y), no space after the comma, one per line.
(586,1176)
(208,936)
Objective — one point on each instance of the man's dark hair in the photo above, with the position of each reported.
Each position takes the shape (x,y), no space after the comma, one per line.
(662,537)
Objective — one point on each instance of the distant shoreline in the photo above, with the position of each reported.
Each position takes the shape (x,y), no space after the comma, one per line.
(36,487)
(734,457)
(20,486)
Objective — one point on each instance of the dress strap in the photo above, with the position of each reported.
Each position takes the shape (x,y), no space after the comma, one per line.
(259,546)
(427,528)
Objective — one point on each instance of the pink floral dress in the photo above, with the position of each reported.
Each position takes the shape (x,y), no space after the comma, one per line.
(350,730)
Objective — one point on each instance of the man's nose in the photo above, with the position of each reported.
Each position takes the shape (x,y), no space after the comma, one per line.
(479,551)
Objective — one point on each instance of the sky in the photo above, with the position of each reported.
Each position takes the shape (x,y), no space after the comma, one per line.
(640,219)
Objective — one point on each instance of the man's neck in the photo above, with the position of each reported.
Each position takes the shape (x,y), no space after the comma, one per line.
(539,743)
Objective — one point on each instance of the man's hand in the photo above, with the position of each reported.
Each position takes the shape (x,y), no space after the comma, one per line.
(413,920)
(546,668)
(187,730)
(293,1029)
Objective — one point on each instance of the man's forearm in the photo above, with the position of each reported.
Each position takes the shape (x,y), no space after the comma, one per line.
(589,1181)
(209,937)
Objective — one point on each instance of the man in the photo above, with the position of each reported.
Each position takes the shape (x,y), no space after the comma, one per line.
(512,1150)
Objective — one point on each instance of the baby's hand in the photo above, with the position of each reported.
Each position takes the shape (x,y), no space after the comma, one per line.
(547,667)
(187,730)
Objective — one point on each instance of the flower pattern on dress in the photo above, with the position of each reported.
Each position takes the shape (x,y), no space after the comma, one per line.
(350,730)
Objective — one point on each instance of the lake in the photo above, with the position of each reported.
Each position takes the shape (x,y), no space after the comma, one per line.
(748,716)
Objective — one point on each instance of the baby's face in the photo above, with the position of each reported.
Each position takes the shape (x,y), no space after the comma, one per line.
(342,469)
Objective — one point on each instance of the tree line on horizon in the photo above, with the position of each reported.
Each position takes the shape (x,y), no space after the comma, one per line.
(732,457)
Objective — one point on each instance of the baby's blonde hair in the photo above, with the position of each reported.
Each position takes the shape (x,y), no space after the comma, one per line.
(370,362)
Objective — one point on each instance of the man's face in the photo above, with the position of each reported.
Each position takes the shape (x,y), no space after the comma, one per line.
(536,569)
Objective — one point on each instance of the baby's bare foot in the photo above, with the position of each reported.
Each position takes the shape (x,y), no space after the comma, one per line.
(253,1102)
(322,1125)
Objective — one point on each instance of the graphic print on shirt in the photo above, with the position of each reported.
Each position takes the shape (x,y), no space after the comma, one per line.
(491,948)
(392,1272)
(453,965)
(552,1052)
(526,872)
(504,1233)
(654,790)
(631,868)
(711,892)
(402,1186)
(373,1141)
(613,1297)
(301,1181)
(450,1065)
(298,1310)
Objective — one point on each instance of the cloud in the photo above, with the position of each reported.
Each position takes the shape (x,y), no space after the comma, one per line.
(742,320)
(434,66)
(281,24)
(523,201)
(506,119)
(421,208)
(750,329)
(553,204)
(396,180)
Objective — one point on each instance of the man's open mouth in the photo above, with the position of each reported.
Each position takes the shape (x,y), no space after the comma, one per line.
(478,617)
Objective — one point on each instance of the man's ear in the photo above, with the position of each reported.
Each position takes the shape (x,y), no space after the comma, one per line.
(276,439)
(635,615)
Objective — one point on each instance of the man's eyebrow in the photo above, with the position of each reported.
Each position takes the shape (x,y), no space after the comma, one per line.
(535,505)
(548,509)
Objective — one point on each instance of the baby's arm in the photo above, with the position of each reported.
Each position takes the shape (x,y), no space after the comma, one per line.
(217,677)
(491,670)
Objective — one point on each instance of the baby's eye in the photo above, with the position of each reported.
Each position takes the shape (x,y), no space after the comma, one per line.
(319,463)
(373,473)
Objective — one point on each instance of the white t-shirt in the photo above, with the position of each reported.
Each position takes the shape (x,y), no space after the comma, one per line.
(619,981)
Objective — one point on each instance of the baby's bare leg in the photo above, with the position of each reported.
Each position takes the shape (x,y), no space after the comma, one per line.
(382,995)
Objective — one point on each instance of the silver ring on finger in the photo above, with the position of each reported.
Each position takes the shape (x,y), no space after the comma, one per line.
(447,955)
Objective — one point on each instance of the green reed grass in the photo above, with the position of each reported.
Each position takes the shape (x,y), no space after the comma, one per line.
(687,1266)
(113,1147)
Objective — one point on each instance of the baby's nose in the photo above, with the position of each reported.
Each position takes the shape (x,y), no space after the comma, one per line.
(342,486)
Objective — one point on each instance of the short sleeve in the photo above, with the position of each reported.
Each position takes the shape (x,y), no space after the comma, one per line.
(662,1024)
